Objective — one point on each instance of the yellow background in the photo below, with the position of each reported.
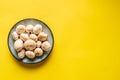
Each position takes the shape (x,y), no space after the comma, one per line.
(86,34)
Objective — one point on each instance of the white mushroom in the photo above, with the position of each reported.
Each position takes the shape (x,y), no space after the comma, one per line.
(14,35)
(24,36)
(30,54)
(18,45)
(21,54)
(29,44)
(33,37)
(37,29)
(38,52)
(20,29)
(29,28)
(38,44)
(42,36)
(46,46)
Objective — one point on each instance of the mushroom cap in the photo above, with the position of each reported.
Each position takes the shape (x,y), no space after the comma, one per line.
(30,54)
(14,35)
(21,54)
(29,28)
(38,52)
(37,29)
(20,29)
(24,36)
(18,45)
(46,46)
(38,44)
(42,36)
(29,44)
(33,37)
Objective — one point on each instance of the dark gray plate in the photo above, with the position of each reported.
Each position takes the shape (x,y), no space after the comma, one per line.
(46,29)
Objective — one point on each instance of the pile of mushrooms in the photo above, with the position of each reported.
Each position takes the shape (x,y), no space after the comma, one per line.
(30,41)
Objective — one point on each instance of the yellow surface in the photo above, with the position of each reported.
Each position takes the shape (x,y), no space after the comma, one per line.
(86,33)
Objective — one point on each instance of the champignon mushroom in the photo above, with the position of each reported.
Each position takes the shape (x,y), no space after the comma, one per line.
(38,44)
(21,54)
(37,29)
(29,44)
(24,36)
(42,36)
(46,46)
(29,28)
(38,52)
(33,37)
(30,54)
(20,29)
(14,35)
(18,45)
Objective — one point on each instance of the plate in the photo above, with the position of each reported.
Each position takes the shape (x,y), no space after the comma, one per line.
(46,29)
